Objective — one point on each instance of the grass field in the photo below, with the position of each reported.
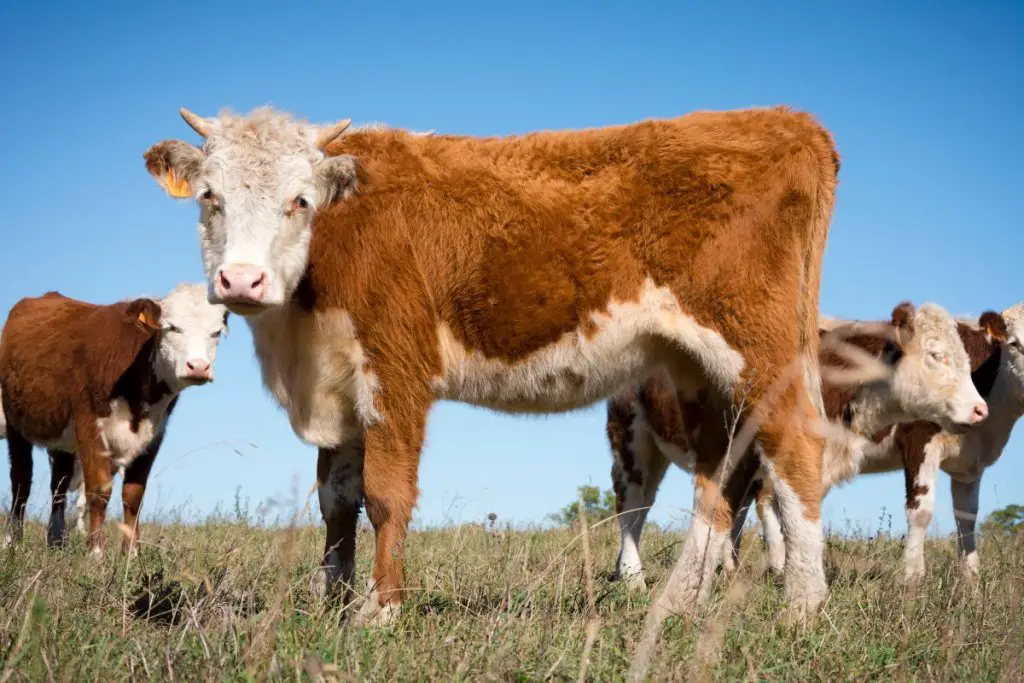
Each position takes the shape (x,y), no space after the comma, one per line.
(225,600)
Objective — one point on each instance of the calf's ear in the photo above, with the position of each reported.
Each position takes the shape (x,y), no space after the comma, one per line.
(337,178)
(903,321)
(175,165)
(145,312)
(994,325)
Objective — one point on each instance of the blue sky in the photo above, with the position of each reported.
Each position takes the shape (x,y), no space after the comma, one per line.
(924,100)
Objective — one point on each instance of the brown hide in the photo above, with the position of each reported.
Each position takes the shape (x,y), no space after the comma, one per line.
(59,355)
(514,242)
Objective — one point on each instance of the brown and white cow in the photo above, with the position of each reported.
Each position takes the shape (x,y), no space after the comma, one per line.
(380,271)
(652,425)
(921,448)
(99,382)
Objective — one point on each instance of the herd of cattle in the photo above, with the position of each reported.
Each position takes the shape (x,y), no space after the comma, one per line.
(670,267)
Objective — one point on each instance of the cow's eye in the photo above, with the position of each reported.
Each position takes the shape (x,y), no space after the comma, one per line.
(173,328)
(207,195)
(215,335)
(940,357)
(300,203)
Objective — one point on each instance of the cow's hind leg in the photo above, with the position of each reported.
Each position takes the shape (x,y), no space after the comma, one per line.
(793,459)
(722,481)
(62,465)
(638,468)
(768,512)
(19,450)
(732,556)
(339,474)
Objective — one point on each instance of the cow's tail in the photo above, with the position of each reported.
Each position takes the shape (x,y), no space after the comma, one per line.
(826,166)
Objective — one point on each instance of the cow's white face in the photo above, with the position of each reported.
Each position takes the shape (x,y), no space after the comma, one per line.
(259,180)
(191,330)
(1013,354)
(932,380)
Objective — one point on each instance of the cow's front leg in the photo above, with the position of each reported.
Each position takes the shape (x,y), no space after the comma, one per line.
(95,462)
(133,488)
(339,474)
(390,473)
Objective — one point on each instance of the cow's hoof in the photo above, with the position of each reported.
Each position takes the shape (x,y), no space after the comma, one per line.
(374,615)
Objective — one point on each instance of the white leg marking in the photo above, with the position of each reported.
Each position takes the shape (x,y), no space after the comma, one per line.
(650,463)
(920,516)
(372,614)
(631,523)
(804,573)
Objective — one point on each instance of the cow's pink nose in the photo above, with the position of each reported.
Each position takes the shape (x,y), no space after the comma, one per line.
(241,282)
(198,367)
(979,413)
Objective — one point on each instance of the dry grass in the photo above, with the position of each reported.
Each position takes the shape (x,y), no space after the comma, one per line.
(228,601)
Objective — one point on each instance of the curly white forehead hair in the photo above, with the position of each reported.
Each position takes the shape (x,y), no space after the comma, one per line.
(1014,315)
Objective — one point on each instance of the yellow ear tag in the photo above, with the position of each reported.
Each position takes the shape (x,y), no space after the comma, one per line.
(144,319)
(175,186)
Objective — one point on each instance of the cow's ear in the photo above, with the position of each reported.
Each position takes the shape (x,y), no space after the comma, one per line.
(994,325)
(145,312)
(903,321)
(175,165)
(337,178)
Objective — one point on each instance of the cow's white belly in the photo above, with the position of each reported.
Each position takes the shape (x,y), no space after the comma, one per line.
(621,345)
(564,376)
(121,443)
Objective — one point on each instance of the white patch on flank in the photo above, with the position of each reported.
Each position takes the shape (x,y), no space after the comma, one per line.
(804,572)
(626,341)
(920,517)
(313,364)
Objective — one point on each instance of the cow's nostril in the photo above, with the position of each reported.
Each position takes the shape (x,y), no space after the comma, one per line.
(258,282)
(224,281)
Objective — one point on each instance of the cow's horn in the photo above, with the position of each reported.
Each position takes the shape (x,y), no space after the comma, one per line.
(327,135)
(197,123)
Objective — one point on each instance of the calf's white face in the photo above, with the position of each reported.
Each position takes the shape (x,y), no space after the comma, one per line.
(1012,361)
(258,180)
(933,377)
(191,331)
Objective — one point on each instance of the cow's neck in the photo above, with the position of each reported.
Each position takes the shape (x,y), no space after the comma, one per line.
(141,387)
(873,409)
(311,363)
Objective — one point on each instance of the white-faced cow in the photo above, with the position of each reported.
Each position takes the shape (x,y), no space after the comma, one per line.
(921,448)
(95,385)
(381,271)
(652,425)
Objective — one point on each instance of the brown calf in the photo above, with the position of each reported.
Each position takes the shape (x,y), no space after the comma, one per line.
(76,378)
